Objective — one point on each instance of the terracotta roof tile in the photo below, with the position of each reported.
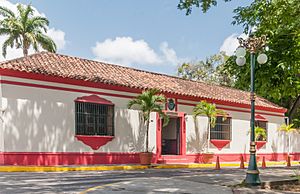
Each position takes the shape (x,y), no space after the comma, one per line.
(82,69)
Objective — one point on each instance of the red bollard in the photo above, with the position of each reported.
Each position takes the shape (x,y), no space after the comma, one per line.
(263,165)
(288,164)
(242,165)
(218,164)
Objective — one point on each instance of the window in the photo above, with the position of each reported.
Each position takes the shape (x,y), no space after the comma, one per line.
(261,136)
(222,130)
(94,119)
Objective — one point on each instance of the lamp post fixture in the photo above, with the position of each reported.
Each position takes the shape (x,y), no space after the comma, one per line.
(253,45)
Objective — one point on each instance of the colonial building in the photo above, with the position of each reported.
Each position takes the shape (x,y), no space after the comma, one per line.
(62,110)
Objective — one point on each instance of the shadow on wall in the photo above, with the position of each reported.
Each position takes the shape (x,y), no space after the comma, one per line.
(40,130)
(129,132)
(295,146)
(38,125)
(198,141)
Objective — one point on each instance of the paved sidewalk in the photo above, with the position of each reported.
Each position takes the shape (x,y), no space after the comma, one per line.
(202,181)
(181,181)
(160,185)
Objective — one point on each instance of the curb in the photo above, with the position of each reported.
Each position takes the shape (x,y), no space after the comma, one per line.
(126,167)
(66,169)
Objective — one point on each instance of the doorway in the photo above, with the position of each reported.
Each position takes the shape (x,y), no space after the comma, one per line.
(170,137)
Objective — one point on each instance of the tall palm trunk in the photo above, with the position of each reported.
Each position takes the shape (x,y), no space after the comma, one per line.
(25,47)
(147,134)
(207,134)
(25,52)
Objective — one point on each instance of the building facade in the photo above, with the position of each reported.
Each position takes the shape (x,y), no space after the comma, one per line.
(61,110)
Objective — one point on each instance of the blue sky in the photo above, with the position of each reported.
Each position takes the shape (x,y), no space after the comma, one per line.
(152,35)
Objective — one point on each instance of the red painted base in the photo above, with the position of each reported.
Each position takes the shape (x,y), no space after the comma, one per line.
(68,158)
(90,158)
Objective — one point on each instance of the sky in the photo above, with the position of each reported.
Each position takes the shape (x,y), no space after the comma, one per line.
(150,35)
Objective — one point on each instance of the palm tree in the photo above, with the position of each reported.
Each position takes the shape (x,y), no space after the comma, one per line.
(24,30)
(210,110)
(150,101)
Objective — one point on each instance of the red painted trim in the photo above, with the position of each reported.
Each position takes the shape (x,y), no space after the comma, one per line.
(93,99)
(1,158)
(158,137)
(181,116)
(63,89)
(182,151)
(219,143)
(55,79)
(235,157)
(93,158)
(260,118)
(227,103)
(68,158)
(103,93)
(95,141)
(236,110)
(260,144)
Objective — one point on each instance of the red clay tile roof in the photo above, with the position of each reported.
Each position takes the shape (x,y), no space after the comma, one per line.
(82,69)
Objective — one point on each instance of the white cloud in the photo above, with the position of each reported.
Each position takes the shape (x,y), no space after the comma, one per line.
(57,35)
(126,51)
(231,43)
(168,53)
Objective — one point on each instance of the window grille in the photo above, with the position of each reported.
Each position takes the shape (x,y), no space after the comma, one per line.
(94,119)
(222,129)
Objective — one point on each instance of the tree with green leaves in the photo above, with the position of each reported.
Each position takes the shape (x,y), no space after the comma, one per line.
(278,80)
(188,5)
(210,110)
(150,101)
(24,30)
(210,71)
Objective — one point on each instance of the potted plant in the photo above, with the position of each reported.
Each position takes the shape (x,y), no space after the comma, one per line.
(149,101)
(210,110)
(260,137)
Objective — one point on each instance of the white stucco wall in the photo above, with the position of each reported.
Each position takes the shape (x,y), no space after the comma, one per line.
(2,111)
(240,136)
(43,120)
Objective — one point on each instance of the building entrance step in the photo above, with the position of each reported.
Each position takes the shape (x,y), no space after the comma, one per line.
(173,159)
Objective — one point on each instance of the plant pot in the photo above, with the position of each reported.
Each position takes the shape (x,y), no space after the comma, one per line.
(145,158)
(207,158)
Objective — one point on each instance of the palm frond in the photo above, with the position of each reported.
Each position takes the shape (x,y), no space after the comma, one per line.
(33,41)
(5,12)
(288,128)
(8,42)
(5,31)
(38,22)
(28,11)
(133,102)
(46,42)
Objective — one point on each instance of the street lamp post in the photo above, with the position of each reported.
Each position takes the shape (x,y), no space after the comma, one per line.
(253,45)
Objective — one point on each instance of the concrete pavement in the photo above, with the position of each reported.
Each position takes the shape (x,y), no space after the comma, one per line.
(142,181)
